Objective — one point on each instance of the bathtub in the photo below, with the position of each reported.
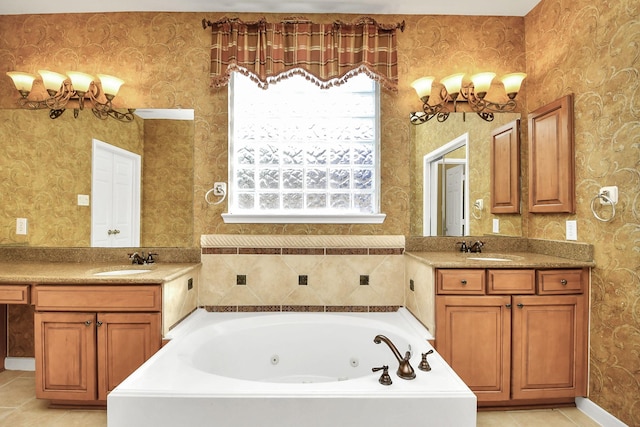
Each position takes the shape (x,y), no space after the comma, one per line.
(291,370)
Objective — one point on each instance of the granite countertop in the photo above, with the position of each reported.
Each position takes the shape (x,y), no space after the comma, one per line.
(515,260)
(68,273)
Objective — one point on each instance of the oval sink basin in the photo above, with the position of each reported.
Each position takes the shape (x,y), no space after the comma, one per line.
(121,272)
(488,258)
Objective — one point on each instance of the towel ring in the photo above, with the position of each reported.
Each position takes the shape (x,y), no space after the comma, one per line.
(608,201)
(215,190)
(476,211)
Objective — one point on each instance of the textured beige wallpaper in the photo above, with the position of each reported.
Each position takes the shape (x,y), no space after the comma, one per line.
(592,49)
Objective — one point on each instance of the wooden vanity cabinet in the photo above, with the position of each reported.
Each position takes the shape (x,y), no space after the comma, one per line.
(90,338)
(521,343)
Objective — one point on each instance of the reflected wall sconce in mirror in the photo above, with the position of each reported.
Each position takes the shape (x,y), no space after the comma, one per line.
(453,89)
(73,90)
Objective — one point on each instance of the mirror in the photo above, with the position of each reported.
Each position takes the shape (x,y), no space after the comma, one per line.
(440,144)
(45,175)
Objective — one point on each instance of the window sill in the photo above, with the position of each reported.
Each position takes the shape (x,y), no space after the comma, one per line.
(230,218)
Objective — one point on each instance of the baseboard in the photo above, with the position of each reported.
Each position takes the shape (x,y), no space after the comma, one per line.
(598,414)
(20,363)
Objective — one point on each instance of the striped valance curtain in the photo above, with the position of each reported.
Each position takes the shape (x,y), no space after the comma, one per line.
(326,54)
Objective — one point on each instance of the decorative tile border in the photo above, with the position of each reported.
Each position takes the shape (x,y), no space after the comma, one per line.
(300,241)
(302,308)
(223,244)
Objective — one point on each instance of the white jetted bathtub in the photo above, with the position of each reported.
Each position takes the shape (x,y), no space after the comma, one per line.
(291,370)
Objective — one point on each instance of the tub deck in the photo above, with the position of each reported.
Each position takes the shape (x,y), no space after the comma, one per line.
(169,390)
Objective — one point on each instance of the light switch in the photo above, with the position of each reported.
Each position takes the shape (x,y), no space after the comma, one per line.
(83,200)
(572,230)
(496,225)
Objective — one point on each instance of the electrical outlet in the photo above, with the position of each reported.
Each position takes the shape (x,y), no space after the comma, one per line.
(219,188)
(303,280)
(21,226)
(241,279)
(496,225)
(190,284)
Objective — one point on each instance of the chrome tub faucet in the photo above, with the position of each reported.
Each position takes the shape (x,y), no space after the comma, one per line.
(405,371)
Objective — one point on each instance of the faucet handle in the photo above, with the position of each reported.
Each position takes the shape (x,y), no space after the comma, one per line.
(150,259)
(463,246)
(424,365)
(385,378)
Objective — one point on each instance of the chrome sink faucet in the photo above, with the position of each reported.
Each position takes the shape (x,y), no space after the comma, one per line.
(405,371)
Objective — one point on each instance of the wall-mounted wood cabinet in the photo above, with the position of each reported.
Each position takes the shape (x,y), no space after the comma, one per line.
(505,169)
(551,158)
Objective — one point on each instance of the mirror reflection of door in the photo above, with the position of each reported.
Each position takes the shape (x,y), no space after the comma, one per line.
(115,201)
(454,201)
(446,189)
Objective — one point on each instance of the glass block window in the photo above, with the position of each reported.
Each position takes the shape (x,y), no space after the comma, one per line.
(296,149)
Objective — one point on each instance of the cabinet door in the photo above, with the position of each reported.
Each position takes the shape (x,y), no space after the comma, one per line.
(125,341)
(473,336)
(551,158)
(549,347)
(505,169)
(65,356)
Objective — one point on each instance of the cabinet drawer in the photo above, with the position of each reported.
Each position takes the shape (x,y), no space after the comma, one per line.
(461,281)
(511,282)
(14,294)
(98,298)
(571,281)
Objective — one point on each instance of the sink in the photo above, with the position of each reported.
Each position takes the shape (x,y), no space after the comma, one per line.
(497,257)
(488,258)
(122,272)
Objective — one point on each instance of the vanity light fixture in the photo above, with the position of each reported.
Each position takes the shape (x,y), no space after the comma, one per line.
(73,90)
(453,89)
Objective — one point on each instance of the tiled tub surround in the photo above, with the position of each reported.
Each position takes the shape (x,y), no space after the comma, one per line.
(342,273)
(291,369)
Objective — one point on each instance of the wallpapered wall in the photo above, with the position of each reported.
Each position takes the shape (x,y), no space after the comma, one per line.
(591,49)
(571,46)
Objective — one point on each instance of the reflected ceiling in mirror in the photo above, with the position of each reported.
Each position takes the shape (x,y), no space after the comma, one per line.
(47,164)
(433,135)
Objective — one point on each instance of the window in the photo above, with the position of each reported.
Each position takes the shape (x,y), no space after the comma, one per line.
(298,153)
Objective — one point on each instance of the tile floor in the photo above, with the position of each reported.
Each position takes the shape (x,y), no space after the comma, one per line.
(20,408)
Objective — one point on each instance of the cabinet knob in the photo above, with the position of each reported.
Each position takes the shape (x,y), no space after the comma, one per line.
(87,323)
(508,305)
(563,282)
(99,323)
(463,281)
(520,305)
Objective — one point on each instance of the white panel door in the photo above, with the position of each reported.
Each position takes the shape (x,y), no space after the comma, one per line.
(115,212)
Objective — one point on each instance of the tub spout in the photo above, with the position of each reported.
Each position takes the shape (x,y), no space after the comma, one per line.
(405,371)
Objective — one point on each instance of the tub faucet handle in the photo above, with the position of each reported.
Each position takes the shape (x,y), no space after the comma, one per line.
(385,378)
(424,365)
